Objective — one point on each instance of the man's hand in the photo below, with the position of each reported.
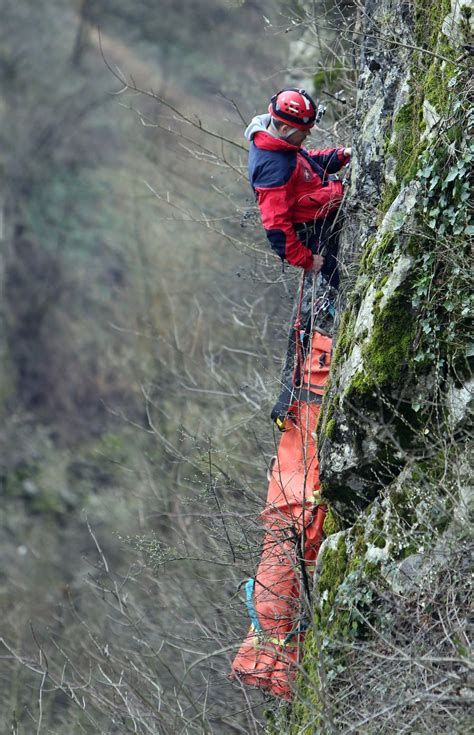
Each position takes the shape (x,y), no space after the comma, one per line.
(318,262)
(347,152)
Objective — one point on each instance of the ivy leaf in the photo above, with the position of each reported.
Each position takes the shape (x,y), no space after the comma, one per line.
(453,173)
(425,172)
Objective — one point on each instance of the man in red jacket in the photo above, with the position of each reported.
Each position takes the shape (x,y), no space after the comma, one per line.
(297,192)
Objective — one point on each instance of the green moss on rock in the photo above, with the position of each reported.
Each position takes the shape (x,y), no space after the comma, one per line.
(428,17)
(388,350)
(407,146)
(332,523)
(333,571)
(344,338)
(330,428)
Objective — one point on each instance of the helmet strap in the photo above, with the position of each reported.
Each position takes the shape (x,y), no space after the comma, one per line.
(290,133)
(276,133)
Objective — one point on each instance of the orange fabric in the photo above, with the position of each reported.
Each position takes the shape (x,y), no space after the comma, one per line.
(295,474)
(265,664)
(276,589)
(261,661)
(317,364)
(314,535)
(294,526)
(277,582)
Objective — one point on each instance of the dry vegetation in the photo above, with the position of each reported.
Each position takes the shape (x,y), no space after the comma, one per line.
(143,317)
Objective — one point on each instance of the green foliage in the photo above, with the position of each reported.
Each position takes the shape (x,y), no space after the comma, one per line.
(421,329)
(432,83)
(428,17)
(438,81)
(329,624)
(442,292)
(327,77)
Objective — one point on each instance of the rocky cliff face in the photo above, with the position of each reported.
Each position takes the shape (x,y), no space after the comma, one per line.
(388,649)
(400,345)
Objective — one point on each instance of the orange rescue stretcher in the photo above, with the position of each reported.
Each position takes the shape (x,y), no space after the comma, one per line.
(293,521)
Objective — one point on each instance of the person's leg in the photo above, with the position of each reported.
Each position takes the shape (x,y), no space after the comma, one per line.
(326,241)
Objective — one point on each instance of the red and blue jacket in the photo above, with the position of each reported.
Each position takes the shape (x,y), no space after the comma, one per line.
(293,186)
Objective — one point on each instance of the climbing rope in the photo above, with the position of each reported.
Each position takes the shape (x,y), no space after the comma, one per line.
(299,338)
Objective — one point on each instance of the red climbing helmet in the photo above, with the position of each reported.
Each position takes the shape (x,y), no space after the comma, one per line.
(294,107)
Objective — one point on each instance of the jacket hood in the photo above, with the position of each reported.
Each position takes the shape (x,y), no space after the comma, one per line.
(258,133)
(258,124)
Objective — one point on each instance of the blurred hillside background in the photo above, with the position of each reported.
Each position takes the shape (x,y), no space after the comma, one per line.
(140,344)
